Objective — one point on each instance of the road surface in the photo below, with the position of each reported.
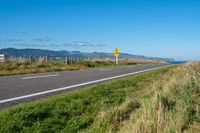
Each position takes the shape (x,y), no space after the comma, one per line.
(25,88)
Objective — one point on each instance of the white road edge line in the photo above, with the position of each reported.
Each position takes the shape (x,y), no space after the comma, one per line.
(73,86)
(42,76)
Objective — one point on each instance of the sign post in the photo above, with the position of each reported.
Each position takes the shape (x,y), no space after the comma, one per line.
(116,54)
(116,58)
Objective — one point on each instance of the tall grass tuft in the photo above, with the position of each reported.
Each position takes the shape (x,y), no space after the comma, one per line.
(174,105)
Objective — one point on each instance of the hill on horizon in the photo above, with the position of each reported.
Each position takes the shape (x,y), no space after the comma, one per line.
(13,52)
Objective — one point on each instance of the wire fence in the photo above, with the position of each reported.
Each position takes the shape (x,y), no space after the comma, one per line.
(67,60)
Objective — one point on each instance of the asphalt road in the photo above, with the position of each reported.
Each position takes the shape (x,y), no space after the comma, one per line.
(25,88)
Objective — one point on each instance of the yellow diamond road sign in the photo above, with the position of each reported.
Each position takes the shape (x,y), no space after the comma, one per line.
(116,51)
(116,54)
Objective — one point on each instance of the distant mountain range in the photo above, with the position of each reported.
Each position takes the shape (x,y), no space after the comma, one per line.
(12,52)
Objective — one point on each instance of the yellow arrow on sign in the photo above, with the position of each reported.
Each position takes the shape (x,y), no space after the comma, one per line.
(116,51)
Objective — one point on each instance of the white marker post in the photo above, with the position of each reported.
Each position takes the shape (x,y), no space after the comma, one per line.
(116,59)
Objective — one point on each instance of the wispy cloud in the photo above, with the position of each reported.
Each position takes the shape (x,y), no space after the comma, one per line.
(35,45)
(99,45)
(45,39)
(20,32)
(14,40)
(45,42)
(21,44)
(80,44)
(50,45)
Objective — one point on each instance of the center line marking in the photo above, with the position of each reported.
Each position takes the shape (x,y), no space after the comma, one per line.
(130,66)
(105,70)
(77,85)
(42,76)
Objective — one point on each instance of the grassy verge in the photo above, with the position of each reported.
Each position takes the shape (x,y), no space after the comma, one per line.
(164,100)
(173,106)
(26,67)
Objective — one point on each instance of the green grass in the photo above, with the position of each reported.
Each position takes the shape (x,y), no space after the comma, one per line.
(79,110)
(164,100)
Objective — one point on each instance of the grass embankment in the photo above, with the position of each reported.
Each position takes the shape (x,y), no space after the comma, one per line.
(164,100)
(26,67)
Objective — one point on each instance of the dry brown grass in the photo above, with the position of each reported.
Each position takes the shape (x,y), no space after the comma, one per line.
(26,67)
(135,61)
(174,105)
(126,61)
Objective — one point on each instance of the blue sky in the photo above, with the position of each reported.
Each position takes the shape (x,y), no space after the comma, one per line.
(164,28)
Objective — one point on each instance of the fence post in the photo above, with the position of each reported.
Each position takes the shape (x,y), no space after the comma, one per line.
(46,59)
(77,59)
(71,60)
(66,62)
